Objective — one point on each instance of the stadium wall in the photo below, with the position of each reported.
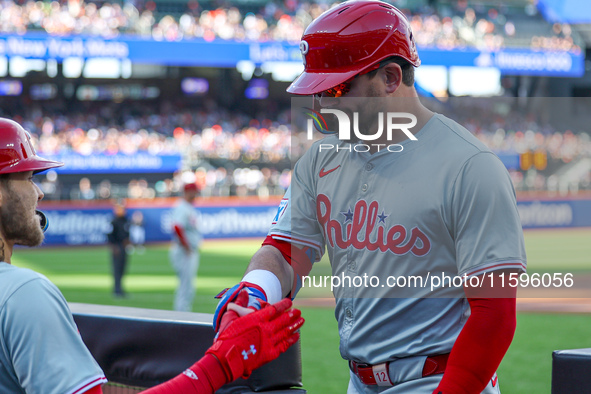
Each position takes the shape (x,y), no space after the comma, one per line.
(87,223)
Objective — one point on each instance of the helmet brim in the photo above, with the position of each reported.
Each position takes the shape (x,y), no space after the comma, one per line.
(44,165)
(308,83)
(36,164)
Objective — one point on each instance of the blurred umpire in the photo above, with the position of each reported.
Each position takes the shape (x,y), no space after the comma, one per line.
(41,350)
(119,240)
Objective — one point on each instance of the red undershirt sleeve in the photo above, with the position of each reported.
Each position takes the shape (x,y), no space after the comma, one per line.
(300,259)
(95,390)
(181,234)
(204,377)
(483,341)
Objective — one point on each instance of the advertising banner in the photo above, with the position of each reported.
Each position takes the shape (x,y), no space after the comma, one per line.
(226,53)
(90,226)
(98,163)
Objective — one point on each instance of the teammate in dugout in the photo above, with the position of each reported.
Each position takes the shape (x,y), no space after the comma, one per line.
(41,350)
(443,204)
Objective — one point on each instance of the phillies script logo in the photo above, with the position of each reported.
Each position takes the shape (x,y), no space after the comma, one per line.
(392,239)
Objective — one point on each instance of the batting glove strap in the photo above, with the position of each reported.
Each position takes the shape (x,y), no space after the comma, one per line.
(256,299)
(235,355)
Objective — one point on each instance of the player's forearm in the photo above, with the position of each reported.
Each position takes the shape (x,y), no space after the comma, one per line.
(483,341)
(481,346)
(270,259)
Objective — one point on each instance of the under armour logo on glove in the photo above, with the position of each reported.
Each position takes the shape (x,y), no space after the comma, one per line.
(251,351)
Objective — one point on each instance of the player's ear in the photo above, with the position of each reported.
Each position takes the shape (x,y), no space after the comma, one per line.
(393,75)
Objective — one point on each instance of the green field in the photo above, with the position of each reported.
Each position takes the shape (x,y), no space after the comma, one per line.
(83,275)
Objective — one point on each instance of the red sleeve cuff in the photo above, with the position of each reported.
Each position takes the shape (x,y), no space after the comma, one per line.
(296,257)
(181,235)
(95,390)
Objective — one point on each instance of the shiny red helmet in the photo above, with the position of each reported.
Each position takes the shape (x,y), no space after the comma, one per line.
(16,151)
(350,38)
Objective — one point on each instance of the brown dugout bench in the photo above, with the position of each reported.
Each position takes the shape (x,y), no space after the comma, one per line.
(140,348)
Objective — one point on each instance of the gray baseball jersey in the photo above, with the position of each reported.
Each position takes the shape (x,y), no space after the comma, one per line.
(185,215)
(444,205)
(41,350)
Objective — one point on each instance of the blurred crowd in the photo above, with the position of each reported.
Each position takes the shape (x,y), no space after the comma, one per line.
(231,154)
(558,148)
(491,31)
(227,153)
(461,26)
(197,133)
(550,158)
(262,182)
(275,21)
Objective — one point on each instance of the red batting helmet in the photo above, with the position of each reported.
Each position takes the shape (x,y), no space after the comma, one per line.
(348,39)
(16,152)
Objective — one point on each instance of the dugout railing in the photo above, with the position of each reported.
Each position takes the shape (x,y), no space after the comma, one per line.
(140,348)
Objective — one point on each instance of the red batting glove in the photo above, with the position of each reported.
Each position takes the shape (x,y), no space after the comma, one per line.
(256,339)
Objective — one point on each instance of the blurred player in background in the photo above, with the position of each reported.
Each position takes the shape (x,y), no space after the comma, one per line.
(137,233)
(184,250)
(41,350)
(442,205)
(119,240)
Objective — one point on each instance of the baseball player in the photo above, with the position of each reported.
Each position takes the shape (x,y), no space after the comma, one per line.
(184,250)
(442,205)
(41,350)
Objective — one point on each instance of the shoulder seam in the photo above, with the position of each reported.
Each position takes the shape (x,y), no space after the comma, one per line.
(459,136)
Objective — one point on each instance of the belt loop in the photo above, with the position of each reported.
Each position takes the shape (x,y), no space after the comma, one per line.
(435,365)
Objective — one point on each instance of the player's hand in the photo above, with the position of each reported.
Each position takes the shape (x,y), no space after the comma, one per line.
(236,309)
(256,300)
(257,338)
